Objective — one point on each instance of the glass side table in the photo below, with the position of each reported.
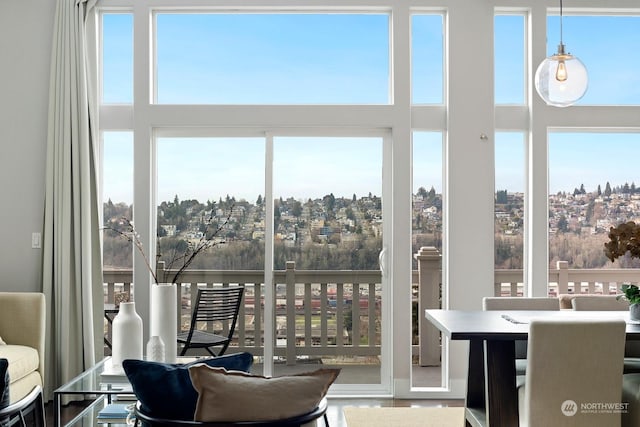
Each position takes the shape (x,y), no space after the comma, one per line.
(96,381)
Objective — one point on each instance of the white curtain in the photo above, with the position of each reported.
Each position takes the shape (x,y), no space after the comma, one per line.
(72,268)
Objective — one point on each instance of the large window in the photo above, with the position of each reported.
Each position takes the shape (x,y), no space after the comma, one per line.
(587,195)
(117,197)
(328,202)
(301,123)
(613,73)
(223,58)
(509,209)
(427,56)
(212,188)
(117,58)
(427,191)
(509,48)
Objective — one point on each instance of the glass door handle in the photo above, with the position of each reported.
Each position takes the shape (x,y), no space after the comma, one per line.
(382,261)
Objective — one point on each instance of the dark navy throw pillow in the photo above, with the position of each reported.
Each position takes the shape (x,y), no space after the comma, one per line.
(164,390)
(4,383)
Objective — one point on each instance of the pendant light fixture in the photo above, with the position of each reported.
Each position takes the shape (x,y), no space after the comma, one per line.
(561,79)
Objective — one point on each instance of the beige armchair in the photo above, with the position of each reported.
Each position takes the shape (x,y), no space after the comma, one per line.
(22,328)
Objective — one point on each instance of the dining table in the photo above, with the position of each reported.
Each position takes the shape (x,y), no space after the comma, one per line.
(491,396)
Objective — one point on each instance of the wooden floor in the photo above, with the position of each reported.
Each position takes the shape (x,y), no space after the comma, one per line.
(334,411)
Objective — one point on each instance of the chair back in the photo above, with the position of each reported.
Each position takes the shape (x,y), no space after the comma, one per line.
(520,303)
(145,419)
(607,303)
(218,305)
(572,362)
(599,302)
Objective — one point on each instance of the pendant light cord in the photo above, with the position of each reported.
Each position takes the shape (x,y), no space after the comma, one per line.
(560,21)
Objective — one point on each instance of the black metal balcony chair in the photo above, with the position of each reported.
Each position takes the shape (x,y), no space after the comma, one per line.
(27,412)
(147,420)
(215,307)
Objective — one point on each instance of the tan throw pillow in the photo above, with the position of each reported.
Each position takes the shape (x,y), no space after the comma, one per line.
(237,396)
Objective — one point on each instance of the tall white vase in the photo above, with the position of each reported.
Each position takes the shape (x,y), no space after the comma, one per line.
(164,318)
(155,349)
(126,335)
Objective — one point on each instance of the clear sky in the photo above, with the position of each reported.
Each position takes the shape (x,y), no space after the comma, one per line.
(344,59)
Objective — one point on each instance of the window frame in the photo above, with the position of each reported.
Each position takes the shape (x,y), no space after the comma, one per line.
(468,112)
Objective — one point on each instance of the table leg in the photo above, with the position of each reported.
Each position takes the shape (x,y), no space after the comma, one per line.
(475,375)
(56,409)
(501,392)
(475,399)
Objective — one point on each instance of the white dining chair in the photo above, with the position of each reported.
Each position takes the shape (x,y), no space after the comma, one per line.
(631,397)
(573,364)
(520,303)
(599,303)
(611,303)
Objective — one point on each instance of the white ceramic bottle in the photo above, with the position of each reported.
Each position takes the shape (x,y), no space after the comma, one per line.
(126,335)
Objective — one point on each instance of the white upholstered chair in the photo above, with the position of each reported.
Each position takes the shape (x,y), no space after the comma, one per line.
(600,302)
(520,303)
(612,303)
(572,362)
(631,396)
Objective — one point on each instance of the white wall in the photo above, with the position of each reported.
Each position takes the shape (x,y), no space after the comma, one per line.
(25,49)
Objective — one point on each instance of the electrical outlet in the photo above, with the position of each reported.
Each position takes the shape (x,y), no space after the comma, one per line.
(36,240)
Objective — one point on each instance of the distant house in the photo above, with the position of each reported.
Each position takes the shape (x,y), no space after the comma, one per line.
(170,229)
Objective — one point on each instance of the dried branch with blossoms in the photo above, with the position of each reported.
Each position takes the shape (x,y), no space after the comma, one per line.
(622,239)
(180,260)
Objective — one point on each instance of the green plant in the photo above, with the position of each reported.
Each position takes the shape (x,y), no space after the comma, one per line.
(631,293)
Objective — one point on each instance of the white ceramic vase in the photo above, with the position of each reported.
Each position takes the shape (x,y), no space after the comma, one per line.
(155,349)
(164,318)
(126,335)
(634,312)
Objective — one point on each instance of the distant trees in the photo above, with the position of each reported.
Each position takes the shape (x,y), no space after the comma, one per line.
(242,250)
(508,251)
(323,239)
(296,210)
(578,250)
(563,224)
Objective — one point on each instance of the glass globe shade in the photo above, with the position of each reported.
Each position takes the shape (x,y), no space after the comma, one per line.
(561,80)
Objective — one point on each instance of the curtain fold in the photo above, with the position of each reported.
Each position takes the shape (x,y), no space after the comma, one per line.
(72,259)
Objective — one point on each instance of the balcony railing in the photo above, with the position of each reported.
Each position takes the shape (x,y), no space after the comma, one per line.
(338,313)
(565,280)
(318,313)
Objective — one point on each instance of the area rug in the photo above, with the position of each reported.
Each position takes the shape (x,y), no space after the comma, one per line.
(403,417)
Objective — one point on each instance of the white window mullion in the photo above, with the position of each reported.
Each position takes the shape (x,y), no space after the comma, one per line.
(536,245)
(269,290)
(144,161)
(397,236)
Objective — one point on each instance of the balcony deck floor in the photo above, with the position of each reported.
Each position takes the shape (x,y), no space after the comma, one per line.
(360,374)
